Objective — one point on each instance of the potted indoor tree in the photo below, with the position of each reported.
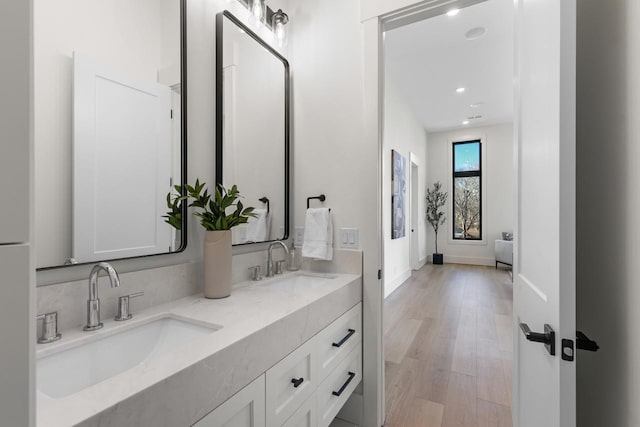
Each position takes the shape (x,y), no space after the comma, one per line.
(436,199)
(219,213)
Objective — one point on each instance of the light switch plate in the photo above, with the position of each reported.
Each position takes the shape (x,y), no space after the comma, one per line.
(349,238)
(298,237)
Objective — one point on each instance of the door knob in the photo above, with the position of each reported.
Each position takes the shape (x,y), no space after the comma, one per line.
(548,338)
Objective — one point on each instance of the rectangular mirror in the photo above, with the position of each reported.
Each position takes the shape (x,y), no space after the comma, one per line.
(109,128)
(252,128)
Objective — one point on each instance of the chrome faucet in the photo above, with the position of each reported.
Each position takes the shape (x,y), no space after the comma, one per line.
(270,256)
(93,304)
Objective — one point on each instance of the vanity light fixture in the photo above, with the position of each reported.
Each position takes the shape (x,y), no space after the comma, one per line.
(259,9)
(279,22)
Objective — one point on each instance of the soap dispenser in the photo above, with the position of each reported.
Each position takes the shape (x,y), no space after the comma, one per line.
(293,263)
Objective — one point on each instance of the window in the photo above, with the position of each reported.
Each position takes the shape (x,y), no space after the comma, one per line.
(467,190)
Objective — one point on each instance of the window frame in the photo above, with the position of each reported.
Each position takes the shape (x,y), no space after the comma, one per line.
(466,174)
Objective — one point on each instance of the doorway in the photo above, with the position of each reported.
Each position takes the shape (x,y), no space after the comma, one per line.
(447,328)
(414,215)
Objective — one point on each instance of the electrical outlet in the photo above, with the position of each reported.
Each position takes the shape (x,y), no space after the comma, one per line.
(298,236)
(349,238)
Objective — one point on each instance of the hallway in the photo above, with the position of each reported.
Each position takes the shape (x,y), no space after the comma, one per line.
(448,348)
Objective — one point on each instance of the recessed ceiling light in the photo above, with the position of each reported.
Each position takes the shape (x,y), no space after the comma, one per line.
(460,90)
(453,12)
(466,122)
(475,33)
(476,104)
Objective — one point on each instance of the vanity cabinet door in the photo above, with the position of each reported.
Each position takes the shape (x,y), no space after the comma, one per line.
(243,409)
(305,416)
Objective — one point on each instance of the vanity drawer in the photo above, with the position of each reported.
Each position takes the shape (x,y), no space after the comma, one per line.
(290,383)
(306,415)
(338,339)
(336,389)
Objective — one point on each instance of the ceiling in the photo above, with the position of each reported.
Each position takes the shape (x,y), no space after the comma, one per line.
(428,60)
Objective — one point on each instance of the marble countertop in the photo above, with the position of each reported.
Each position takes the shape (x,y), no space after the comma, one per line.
(261,323)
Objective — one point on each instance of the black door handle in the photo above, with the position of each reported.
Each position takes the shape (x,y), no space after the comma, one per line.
(584,343)
(548,338)
(297,381)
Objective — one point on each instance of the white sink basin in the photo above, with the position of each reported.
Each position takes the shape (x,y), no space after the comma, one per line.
(105,355)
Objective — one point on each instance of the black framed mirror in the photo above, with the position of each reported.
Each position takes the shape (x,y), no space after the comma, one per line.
(109,128)
(252,128)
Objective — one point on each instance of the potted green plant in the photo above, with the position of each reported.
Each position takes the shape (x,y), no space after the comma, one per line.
(219,213)
(436,199)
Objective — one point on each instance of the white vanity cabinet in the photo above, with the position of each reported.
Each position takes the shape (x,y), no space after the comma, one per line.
(305,389)
(243,409)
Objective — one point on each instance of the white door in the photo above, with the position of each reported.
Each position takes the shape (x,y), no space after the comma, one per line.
(413,182)
(544,261)
(121,163)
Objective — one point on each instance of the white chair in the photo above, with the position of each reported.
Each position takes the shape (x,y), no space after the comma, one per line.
(504,252)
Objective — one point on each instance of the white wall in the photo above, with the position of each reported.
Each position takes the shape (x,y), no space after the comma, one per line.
(331,154)
(608,202)
(404,133)
(498,191)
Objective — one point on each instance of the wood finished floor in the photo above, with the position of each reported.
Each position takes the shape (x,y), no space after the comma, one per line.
(448,348)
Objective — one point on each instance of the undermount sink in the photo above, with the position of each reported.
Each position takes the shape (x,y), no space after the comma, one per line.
(110,353)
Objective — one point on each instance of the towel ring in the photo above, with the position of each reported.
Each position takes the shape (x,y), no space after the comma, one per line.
(321,197)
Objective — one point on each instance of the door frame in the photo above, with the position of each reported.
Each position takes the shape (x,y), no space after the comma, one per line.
(414,203)
(377,17)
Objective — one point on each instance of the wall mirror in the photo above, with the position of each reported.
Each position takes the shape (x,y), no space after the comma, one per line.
(252,128)
(109,128)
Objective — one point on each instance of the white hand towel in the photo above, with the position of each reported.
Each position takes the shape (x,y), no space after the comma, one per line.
(318,234)
(258,227)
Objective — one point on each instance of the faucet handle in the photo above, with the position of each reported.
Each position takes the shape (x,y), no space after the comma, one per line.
(123,306)
(49,328)
(255,273)
(279,266)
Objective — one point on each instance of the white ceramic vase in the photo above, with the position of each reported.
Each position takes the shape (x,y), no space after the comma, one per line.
(216,261)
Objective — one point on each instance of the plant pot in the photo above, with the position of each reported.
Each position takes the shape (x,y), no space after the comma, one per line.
(438,259)
(216,262)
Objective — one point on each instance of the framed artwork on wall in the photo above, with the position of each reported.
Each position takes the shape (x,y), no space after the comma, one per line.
(398,193)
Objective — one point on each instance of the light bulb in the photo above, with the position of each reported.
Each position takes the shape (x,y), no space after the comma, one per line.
(259,9)
(279,25)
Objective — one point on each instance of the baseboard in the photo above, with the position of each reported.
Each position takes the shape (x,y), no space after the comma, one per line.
(393,284)
(453,259)
(421,262)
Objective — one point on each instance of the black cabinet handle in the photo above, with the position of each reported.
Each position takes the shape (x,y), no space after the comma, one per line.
(297,382)
(344,340)
(548,338)
(352,375)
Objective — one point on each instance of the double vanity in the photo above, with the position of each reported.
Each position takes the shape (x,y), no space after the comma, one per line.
(279,351)
(110,143)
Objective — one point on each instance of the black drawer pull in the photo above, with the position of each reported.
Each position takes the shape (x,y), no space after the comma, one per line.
(297,382)
(352,375)
(344,340)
